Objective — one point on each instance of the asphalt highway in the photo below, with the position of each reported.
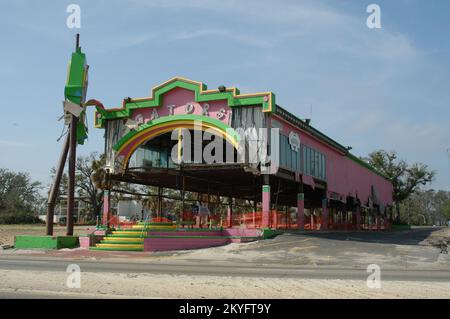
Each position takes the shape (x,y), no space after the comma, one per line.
(226,269)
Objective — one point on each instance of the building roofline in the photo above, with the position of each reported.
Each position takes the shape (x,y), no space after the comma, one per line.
(291,118)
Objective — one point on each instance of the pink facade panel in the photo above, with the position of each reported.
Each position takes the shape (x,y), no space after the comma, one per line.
(181,101)
(343,175)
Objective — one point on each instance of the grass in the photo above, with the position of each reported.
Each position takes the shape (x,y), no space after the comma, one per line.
(7,232)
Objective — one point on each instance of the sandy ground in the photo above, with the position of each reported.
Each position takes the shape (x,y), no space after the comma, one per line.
(396,250)
(7,232)
(102,285)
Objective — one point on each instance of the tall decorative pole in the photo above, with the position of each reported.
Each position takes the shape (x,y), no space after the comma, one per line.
(75,94)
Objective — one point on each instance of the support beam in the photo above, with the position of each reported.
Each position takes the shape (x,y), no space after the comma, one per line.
(301,211)
(106,208)
(254,214)
(71,174)
(230,212)
(266,205)
(55,187)
(325,213)
(358,217)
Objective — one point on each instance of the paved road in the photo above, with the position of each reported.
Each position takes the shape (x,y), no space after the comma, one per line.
(229,269)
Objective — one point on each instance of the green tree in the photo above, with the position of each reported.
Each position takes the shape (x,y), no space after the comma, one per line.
(19,197)
(90,181)
(406,178)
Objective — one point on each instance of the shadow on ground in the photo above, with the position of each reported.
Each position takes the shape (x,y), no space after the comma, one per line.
(415,236)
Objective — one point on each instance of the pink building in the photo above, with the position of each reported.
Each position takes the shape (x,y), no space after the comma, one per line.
(241,146)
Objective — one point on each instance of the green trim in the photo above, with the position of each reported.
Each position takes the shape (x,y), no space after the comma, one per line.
(76,88)
(300,196)
(173,118)
(232,97)
(266,188)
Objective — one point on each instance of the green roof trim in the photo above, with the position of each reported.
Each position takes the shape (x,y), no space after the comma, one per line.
(231,95)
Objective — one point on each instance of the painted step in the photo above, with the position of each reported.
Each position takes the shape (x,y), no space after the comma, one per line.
(117,248)
(121,243)
(183,233)
(121,246)
(123,239)
(129,233)
(155,224)
(155,227)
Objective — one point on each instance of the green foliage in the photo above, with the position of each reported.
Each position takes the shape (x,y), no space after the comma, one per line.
(426,208)
(88,177)
(19,197)
(406,178)
(89,184)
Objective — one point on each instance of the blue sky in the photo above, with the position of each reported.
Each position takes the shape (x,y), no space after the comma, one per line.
(371,89)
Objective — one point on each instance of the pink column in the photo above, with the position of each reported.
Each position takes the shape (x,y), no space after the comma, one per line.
(265,206)
(325,213)
(274,219)
(301,210)
(254,218)
(229,217)
(106,208)
(358,218)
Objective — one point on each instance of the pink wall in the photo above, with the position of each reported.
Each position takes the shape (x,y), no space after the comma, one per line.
(89,241)
(344,176)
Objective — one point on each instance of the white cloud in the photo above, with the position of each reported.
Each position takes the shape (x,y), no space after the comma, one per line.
(220,34)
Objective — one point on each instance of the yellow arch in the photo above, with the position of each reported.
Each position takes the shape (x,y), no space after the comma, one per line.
(131,141)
